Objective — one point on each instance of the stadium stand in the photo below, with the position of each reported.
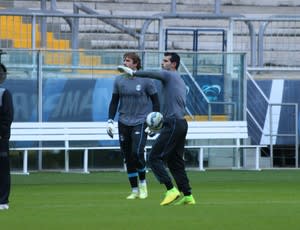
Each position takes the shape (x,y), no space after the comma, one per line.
(254,7)
(268,41)
(17,32)
(98,34)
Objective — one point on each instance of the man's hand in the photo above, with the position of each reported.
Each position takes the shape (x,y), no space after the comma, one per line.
(110,129)
(150,132)
(124,69)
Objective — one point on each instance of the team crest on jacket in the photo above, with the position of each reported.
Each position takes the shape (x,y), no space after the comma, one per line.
(138,87)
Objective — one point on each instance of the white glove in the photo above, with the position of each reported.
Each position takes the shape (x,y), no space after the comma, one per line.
(110,129)
(150,132)
(124,69)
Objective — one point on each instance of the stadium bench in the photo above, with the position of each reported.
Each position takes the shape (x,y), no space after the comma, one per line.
(62,134)
(23,134)
(222,130)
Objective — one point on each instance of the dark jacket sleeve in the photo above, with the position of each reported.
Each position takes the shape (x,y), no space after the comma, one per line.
(6,118)
(6,115)
(155,102)
(113,106)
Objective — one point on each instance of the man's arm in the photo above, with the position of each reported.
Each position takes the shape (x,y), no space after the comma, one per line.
(110,129)
(157,75)
(155,102)
(113,106)
(8,114)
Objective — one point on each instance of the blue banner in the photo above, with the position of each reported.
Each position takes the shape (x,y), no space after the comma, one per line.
(63,99)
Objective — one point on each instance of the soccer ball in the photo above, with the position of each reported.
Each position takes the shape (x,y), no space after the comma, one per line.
(154,120)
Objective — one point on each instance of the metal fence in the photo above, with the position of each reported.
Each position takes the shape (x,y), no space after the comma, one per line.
(46,91)
(271,42)
(263,123)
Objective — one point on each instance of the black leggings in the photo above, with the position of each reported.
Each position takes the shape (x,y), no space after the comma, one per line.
(169,149)
(132,142)
(4,177)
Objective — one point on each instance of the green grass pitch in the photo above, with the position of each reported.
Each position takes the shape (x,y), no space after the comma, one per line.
(235,200)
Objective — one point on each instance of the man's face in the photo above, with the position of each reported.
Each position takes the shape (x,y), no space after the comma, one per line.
(128,62)
(167,64)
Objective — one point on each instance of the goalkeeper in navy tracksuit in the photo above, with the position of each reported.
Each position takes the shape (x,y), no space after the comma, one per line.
(6,117)
(169,145)
(136,98)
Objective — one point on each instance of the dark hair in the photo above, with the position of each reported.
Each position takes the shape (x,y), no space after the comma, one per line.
(3,73)
(174,58)
(135,58)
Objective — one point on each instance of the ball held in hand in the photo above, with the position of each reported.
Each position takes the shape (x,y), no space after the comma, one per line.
(154,120)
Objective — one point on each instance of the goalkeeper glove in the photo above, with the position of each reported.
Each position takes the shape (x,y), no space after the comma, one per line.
(110,129)
(124,69)
(150,132)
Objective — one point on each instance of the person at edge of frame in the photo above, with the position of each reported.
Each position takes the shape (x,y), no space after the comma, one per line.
(168,149)
(6,118)
(136,98)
